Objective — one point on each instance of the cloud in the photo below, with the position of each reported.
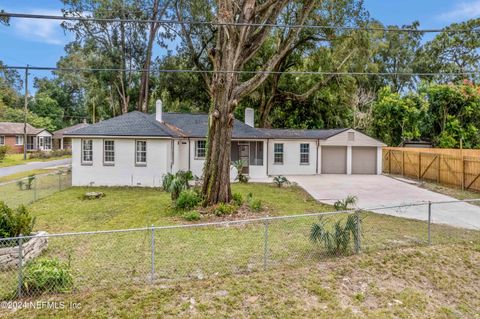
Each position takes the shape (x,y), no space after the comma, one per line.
(39,30)
(462,11)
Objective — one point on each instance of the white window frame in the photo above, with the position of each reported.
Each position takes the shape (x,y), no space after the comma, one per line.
(304,152)
(197,148)
(109,154)
(90,151)
(140,152)
(278,152)
(2,140)
(17,138)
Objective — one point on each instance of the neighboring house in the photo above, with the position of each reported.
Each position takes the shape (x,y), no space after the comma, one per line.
(60,142)
(12,135)
(138,149)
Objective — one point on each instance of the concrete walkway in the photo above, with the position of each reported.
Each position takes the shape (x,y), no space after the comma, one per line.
(5,171)
(375,191)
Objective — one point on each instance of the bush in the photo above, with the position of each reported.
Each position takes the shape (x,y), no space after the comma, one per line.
(3,152)
(175,183)
(192,216)
(49,154)
(46,275)
(16,222)
(224,209)
(281,180)
(345,203)
(237,198)
(187,199)
(336,239)
(255,204)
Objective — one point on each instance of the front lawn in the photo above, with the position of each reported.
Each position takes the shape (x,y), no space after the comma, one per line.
(117,266)
(17,159)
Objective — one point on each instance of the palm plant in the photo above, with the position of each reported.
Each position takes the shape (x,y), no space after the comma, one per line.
(344,204)
(175,183)
(239,165)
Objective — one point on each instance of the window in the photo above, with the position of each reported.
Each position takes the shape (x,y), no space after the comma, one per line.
(109,152)
(256,153)
(19,140)
(48,142)
(351,136)
(2,140)
(141,153)
(304,154)
(277,153)
(31,142)
(200,149)
(87,151)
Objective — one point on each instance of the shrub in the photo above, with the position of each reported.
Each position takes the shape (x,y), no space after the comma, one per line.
(16,222)
(281,180)
(3,152)
(237,198)
(345,203)
(175,183)
(224,209)
(46,275)
(239,165)
(192,216)
(49,154)
(336,240)
(187,199)
(255,204)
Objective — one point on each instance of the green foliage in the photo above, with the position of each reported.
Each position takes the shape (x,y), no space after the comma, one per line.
(237,198)
(336,239)
(192,216)
(175,183)
(16,222)
(187,199)
(47,275)
(49,154)
(224,209)
(3,152)
(344,204)
(280,181)
(239,165)
(254,204)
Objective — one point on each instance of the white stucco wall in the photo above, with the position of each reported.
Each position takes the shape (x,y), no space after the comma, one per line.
(291,158)
(124,172)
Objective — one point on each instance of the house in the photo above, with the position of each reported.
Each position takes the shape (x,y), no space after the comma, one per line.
(60,142)
(12,135)
(137,149)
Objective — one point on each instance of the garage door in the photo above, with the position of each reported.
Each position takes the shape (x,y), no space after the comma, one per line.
(364,160)
(334,159)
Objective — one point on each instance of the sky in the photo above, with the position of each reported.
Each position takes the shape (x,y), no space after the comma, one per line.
(41,42)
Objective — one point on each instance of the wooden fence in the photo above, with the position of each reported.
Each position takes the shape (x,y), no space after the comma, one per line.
(452,167)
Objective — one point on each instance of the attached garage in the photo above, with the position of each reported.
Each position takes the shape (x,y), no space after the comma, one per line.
(334,159)
(364,160)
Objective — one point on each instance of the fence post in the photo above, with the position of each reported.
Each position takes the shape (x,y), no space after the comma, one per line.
(358,244)
(152,241)
(265,245)
(429,221)
(20,266)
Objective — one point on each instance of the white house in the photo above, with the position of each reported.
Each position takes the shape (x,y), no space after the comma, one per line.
(138,149)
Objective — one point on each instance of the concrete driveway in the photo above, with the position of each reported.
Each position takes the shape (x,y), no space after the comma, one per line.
(5,171)
(375,191)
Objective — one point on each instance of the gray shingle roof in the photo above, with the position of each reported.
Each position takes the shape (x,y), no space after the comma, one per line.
(10,128)
(196,125)
(60,133)
(130,124)
(299,133)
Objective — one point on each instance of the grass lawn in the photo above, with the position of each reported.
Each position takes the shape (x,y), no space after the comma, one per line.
(17,159)
(453,192)
(17,176)
(218,271)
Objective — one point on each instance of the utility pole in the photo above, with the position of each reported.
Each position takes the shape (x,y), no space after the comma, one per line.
(25,110)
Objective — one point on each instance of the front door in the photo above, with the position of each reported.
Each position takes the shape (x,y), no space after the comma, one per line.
(244,155)
(41,143)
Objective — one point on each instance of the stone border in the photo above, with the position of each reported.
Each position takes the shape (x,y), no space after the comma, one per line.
(30,249)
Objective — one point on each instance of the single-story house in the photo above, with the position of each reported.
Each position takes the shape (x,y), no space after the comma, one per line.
(137,149)
(12,135)
(60,142)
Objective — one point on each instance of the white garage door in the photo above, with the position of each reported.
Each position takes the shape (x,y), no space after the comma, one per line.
(334,159)
(364,160)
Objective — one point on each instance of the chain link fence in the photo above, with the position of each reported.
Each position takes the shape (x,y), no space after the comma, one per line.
(75,262)
(29,189)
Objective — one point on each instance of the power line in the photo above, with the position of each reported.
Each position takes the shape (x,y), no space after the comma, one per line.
(194,22)
(40,68)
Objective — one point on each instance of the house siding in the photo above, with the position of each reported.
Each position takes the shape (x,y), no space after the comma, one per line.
(123,172)
(12,148)
(291,158)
